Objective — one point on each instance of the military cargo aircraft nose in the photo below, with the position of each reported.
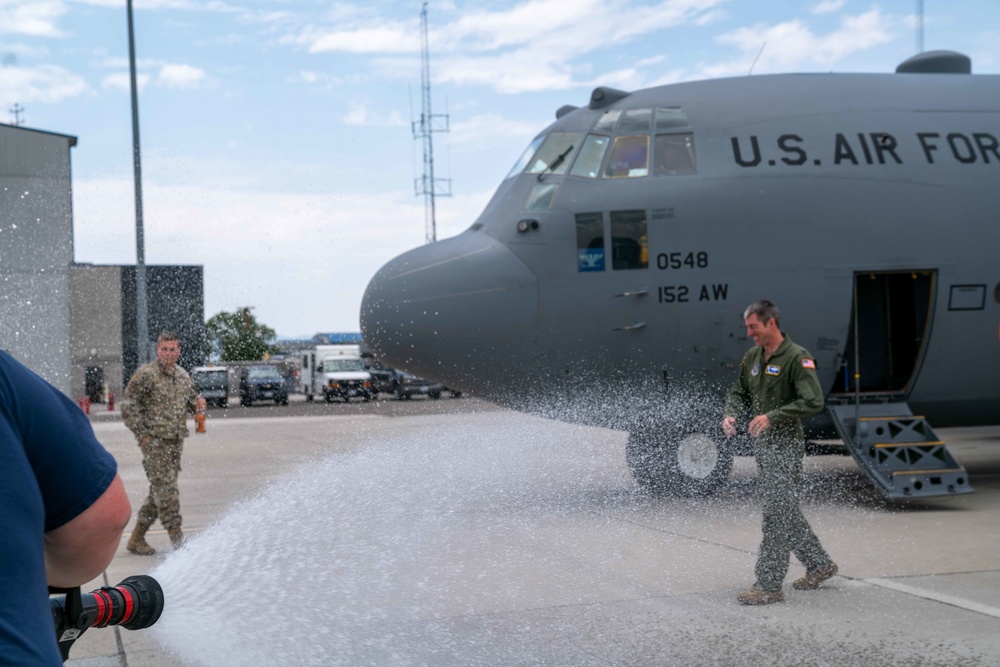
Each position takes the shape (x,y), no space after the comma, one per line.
(449,310)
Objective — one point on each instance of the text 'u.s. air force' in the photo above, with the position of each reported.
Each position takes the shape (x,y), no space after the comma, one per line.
(864,148)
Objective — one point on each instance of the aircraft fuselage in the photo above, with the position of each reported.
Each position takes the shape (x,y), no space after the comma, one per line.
(596,278)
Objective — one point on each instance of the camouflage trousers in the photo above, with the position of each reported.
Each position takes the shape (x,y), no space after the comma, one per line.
(786,531)
(161,459)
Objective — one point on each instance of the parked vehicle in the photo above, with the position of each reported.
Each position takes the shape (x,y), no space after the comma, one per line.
(335,372)
(409,385)
(212,383)
(383,377)
(262,383)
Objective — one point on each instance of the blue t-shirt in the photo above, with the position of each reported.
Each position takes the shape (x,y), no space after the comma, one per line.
(52,468)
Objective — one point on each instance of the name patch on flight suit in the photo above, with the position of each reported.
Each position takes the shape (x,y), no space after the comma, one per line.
(772,370)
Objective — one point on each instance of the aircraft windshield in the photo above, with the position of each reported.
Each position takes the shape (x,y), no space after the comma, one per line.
(589,162)
(637,144)
(673,155)
(554,155)
(522,161)
(629,157)
(334,365)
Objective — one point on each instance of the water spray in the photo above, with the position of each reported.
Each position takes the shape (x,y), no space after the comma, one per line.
(134,604)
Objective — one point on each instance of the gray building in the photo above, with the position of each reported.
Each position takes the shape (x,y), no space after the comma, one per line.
(75,324)
(36,249)
(105,346)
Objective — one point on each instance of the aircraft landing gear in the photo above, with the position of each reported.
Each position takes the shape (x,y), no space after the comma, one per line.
(691,465)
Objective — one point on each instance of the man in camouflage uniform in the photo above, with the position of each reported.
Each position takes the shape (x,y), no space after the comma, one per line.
(777,387)
(154,407)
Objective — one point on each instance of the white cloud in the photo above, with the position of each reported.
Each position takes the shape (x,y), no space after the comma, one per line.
(359,114)
(389,38)
(650,61)
(122,81)
(711,16)
(169,75)
(287,238)
(306,76)
(31,17)
(516,72)
(525,48)
(11,52)
(147,5)
(490,130)
(521,24)
(182,76)
(44,83)
(827,6)
(793,45)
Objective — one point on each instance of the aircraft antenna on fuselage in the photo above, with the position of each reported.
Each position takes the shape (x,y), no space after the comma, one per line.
(756,58)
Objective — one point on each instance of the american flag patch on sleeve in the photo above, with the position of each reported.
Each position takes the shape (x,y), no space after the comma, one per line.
(809,363)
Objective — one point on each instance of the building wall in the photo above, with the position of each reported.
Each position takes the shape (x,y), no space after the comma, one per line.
(104,320)
(36,250)
(96,323)
(176,302)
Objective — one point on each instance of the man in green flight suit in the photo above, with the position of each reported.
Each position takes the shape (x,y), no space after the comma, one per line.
(154,407)
(777,387)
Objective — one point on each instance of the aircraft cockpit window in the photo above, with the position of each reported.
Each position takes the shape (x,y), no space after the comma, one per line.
(607,121)
(522,161)
(555,154)
(629,157)
(668,118)
(588,163)
(629,244)
(635,120)
(589,242)
(673,155)
(541,196)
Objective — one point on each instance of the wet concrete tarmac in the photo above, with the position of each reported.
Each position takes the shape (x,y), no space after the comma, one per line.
(524,541)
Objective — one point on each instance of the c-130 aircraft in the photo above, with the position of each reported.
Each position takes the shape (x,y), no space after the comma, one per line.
(605,281)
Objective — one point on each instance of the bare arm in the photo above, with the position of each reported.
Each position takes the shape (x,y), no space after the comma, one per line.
(78,551)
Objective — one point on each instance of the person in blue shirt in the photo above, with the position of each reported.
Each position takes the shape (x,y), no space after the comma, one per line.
(63,509)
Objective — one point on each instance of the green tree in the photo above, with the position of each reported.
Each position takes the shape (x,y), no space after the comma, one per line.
(238,336)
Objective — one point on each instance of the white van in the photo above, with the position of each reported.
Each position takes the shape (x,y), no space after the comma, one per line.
(335,372)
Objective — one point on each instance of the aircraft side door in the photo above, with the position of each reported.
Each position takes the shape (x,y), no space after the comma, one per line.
(596,291)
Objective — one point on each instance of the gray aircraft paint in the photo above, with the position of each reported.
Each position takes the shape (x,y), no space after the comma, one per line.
(803,182)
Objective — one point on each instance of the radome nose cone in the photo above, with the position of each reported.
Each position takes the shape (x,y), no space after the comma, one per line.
(444,309)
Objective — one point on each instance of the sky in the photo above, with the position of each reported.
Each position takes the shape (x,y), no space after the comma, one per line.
(277,135)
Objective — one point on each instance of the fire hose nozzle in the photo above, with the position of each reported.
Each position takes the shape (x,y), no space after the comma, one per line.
(134,604)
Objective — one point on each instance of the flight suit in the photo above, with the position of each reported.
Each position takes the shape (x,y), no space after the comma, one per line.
(155,407)
(786,389)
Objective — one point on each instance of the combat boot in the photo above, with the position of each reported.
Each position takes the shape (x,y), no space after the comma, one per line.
(176,537)
(813,579)
(756,597)
(137,543)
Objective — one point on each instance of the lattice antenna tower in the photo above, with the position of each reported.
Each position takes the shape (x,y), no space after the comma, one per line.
(16,112)
(424,129)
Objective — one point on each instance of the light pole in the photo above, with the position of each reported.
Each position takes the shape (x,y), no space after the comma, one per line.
(141,305)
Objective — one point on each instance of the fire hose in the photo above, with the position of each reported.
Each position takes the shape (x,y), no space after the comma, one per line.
(134,604)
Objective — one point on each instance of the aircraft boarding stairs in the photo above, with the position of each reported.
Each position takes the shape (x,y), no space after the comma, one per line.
(898,450)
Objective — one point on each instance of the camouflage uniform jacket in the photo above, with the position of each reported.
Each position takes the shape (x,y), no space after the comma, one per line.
(785,388)
(156,402)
